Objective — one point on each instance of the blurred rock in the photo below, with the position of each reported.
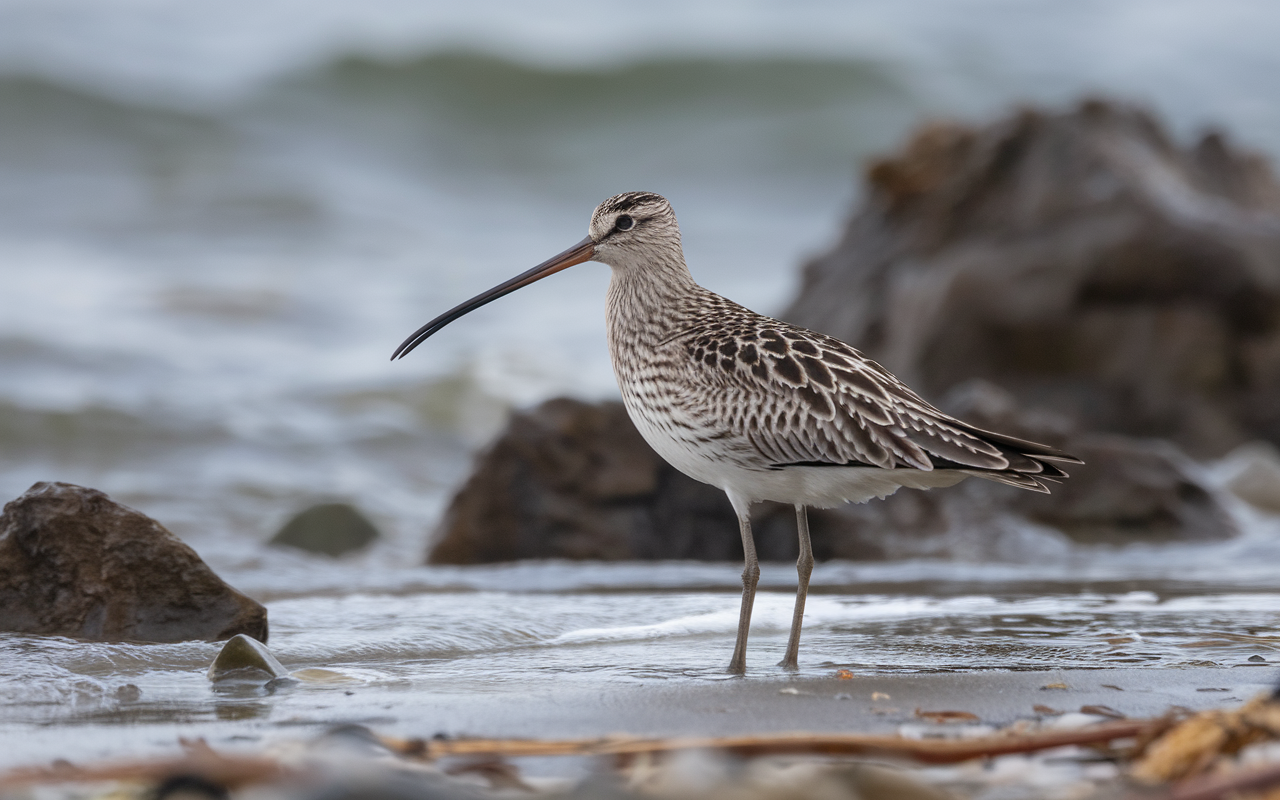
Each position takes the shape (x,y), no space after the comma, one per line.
(575,480)
(74,563)
(329,528)
(1082,261)
(242,657)
(1254,475)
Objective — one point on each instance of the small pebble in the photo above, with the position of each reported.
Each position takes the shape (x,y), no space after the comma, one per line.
(244,658)
(1257,659)
(128,693)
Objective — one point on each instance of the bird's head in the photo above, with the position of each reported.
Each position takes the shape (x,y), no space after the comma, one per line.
(634,229)
(630,230)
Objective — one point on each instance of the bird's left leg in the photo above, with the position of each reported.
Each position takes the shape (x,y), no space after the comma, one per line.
(804,568)
(750,576)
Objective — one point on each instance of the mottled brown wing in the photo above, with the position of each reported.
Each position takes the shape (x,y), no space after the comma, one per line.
(805,399)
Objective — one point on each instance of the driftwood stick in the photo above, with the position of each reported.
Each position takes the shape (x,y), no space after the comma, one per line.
(227,771)
(928,751)
(236,771)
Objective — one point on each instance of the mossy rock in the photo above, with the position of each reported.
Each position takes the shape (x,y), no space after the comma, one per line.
(333,529)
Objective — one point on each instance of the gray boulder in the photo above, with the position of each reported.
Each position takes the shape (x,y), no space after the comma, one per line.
(74,563)
(1081,260)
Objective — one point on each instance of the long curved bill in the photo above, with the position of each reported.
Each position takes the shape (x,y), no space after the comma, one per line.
(582,251)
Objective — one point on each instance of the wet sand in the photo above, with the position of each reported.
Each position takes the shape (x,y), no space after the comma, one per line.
(742,706)
(881,704)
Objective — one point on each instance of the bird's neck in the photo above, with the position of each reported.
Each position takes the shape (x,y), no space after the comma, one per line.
(644,301)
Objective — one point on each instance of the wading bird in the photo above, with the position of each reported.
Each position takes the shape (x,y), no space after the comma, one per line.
(759,408)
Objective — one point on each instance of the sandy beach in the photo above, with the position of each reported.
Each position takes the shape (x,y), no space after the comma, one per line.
(733,706)
(930,707)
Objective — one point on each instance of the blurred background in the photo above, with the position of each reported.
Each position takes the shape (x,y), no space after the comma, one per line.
(217,219)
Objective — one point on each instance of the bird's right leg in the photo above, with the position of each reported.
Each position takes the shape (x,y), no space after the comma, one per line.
(804,568)
(750,577)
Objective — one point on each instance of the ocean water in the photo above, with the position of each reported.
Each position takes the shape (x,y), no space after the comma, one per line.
(217,219)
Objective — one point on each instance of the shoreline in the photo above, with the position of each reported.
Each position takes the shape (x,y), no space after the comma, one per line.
(830,705)
(864,704)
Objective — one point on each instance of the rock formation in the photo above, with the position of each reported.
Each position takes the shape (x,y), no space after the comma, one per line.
(74,563)
(1082,261)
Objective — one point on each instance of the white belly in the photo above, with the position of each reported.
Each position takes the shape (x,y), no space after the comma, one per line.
(715,463)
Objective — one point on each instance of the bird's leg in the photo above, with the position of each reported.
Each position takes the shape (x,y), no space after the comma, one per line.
(750,577)
(804,567)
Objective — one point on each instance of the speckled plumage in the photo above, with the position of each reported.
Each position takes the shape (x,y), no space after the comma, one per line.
(723,392)
(759,408)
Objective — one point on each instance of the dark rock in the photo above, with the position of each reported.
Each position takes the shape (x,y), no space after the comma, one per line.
(329,528)
(1080,260)
(575,480)
(244,658)
(1127,489)
(74,563)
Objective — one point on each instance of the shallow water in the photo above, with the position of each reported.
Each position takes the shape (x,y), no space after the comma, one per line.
(403,644)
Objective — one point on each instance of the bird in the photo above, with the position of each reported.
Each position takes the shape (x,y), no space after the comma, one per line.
(762,409)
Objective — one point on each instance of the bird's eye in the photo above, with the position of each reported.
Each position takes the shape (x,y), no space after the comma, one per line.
(624,223)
